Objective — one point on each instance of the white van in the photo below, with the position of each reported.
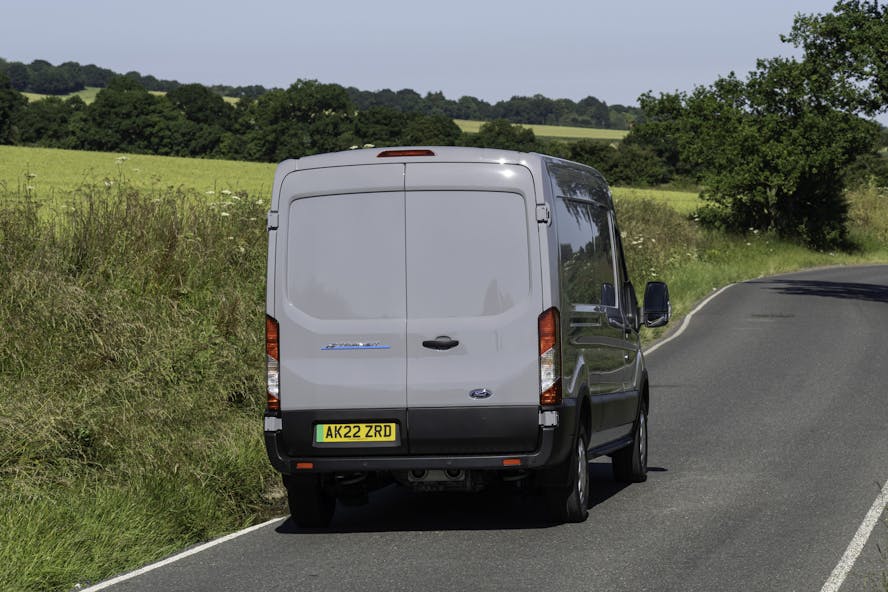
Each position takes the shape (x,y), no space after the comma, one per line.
(447,318)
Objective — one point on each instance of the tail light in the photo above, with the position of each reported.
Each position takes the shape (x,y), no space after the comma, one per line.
(550,357)
(273,367)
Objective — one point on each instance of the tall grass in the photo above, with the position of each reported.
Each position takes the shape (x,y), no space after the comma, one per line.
(130,380)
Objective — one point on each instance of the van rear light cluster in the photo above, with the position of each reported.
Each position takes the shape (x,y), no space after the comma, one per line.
(550,357)
(273,367)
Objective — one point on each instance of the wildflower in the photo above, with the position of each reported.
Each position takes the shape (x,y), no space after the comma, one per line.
(210,192)
(30,188)
(369,146)
(226,214)
(258,202)
(236,197)
(31,175)
(225,192)
(230,238)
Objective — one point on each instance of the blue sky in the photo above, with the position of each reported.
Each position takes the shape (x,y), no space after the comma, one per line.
(493,50)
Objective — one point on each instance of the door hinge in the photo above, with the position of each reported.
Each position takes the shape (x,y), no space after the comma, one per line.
(272,221)
(544,216)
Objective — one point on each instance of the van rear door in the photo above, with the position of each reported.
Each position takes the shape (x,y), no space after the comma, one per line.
(473,298)
(342,301)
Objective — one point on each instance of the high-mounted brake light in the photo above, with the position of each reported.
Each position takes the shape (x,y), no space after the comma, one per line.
(550,357)
(273,367)
(390,153)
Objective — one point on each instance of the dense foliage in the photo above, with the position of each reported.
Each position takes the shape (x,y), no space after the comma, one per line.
(772,150)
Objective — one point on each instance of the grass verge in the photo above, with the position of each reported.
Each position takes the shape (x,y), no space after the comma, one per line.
(130,380)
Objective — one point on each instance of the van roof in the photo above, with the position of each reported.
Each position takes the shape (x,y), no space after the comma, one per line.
(441,154)
(454,154)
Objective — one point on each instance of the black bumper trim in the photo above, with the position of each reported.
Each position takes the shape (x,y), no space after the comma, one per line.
(539,458)
(554,444)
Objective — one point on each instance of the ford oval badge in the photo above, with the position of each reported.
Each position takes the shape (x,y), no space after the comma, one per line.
(481,393)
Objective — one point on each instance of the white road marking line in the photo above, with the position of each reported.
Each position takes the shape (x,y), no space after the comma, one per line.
(855,547)
(686,321)
(182,555)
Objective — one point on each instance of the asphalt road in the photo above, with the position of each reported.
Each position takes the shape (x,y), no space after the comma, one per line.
(768,446)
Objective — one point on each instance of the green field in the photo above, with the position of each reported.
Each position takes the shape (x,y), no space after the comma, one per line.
(684,202)
(89,95)
(553,131)
(49,172)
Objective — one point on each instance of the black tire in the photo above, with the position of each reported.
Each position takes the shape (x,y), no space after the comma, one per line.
(630,463)
(570,503)
(310,505)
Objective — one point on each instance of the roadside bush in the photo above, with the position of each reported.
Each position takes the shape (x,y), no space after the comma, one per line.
(656,239)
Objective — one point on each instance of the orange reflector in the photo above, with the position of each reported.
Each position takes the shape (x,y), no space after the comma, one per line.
(304,465)
(389,153)
(511,462)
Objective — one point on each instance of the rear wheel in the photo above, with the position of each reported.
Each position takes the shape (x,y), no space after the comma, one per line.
(570,503)
(310,505)
(630,463)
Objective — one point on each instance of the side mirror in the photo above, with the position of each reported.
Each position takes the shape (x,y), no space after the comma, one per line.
(657,308)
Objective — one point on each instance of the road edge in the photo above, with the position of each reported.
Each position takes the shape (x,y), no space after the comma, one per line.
(177,557)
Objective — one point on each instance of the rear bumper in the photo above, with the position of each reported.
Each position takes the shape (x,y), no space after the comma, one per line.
(552,447)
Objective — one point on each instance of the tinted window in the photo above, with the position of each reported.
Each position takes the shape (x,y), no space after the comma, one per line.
(579,183)
(345,256)
(467,253)
(586,252)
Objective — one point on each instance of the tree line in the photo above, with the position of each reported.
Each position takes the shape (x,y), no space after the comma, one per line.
(42,77)
(307,118)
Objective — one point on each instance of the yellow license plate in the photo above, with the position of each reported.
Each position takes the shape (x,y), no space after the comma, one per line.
(355,432)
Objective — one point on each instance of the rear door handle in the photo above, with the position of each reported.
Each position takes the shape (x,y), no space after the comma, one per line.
(440,343)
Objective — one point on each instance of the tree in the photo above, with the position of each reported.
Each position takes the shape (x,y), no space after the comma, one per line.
(380,126)
(771,150)
(307,118)
(500,133)
(11,104)
(47,122)
(848,50)
(431,130)
(208,115)
(126,117)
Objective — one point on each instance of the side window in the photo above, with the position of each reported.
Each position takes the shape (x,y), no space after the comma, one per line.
(586,253)
(629,300)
